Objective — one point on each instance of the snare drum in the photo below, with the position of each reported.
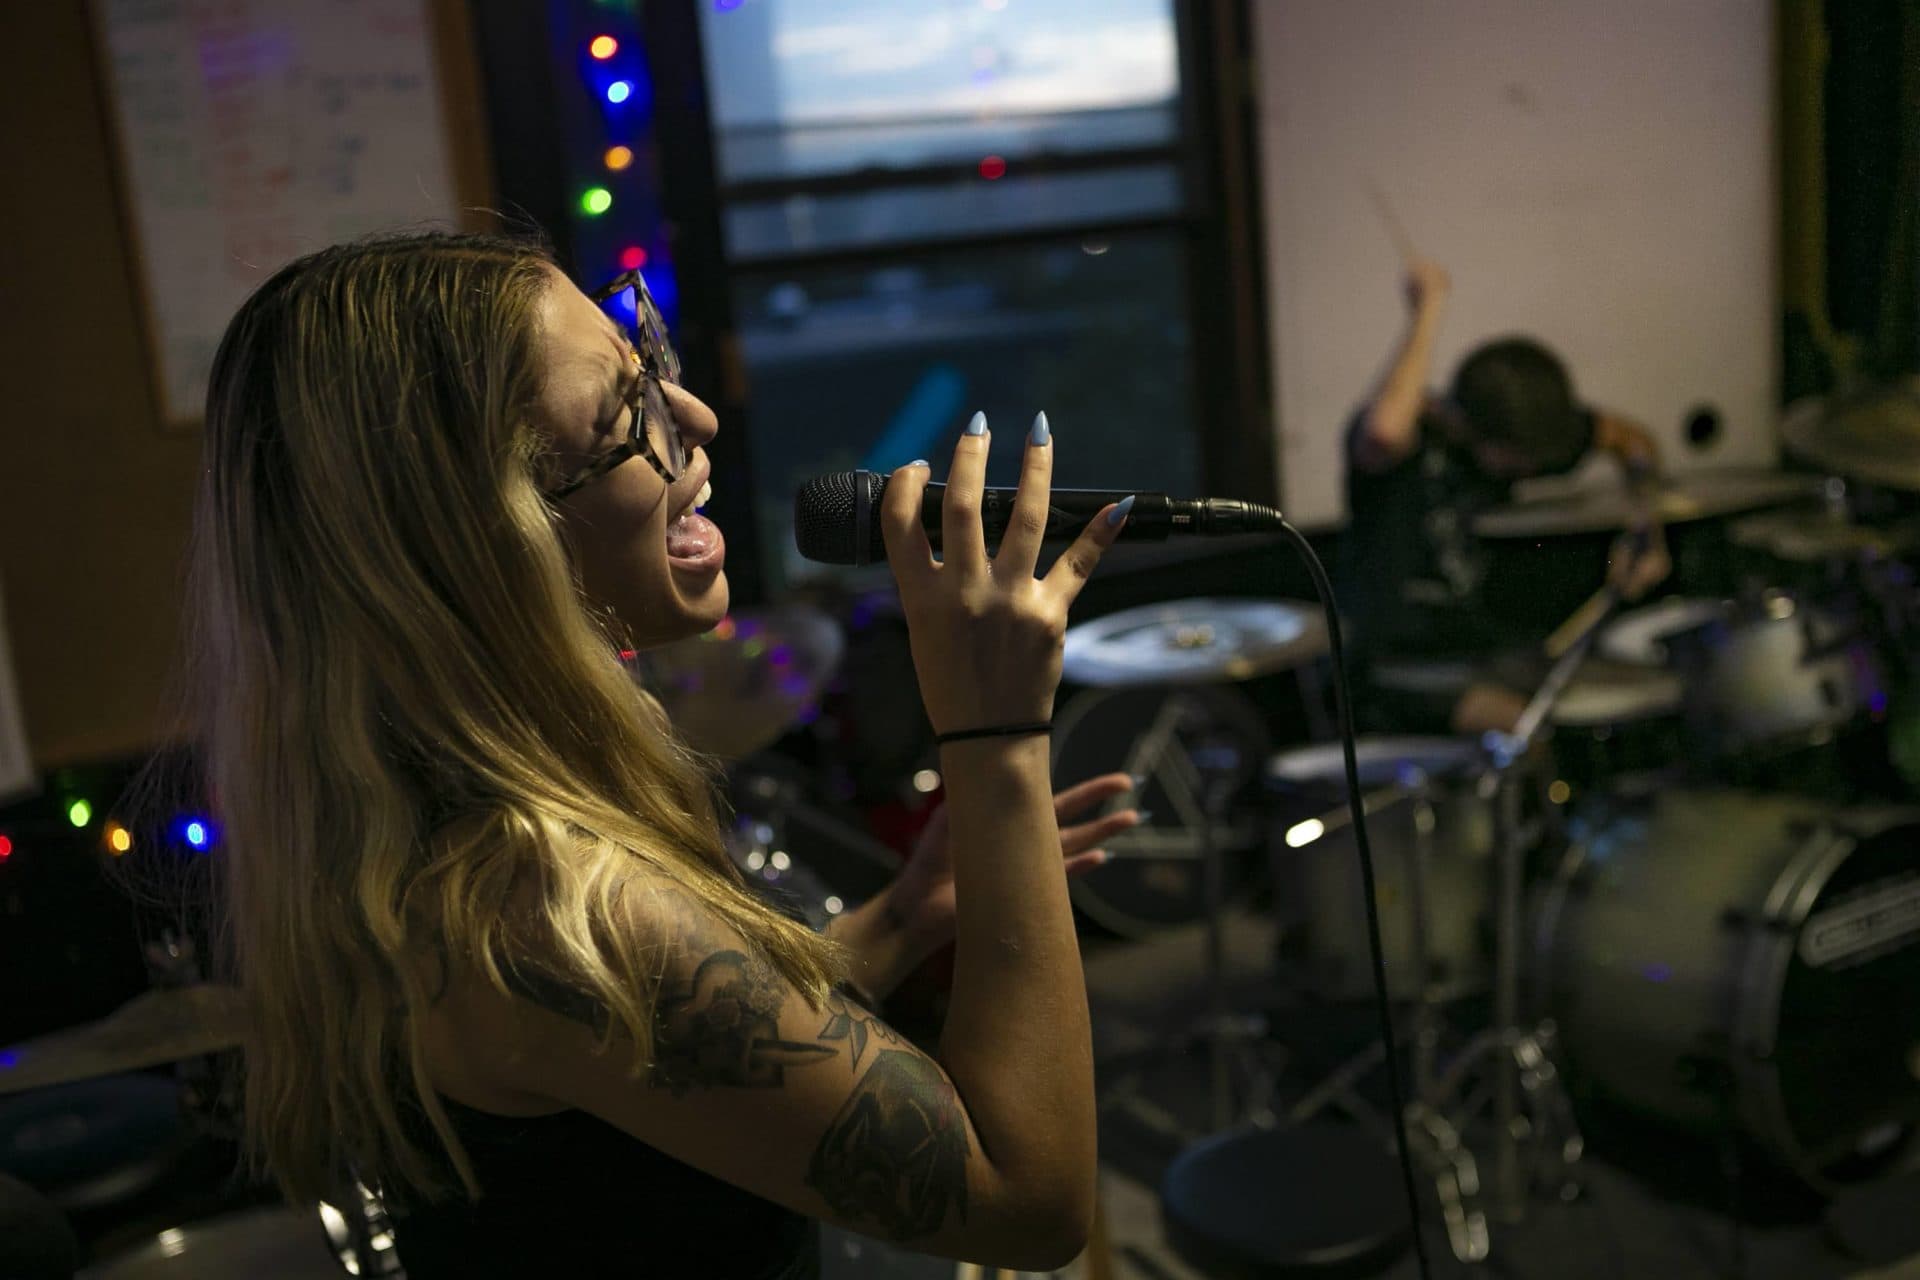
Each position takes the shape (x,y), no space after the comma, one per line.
(1616,725)
(1727,958)
(1425,802)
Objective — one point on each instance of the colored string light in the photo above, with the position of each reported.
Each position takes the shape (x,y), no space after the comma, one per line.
(79,813)
(619,91)
(618,158)
(603,47)
(632,258)
(992,167)
(596,201)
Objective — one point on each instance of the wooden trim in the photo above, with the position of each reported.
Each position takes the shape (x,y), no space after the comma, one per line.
(463,113)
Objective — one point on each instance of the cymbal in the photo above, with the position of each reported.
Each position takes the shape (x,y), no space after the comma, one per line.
(153,1028)
(735,690)
(1695,495)
(1194,642)
(1604,693)
(1382,761)
(1810,537)
(1638,637)
(1873,436)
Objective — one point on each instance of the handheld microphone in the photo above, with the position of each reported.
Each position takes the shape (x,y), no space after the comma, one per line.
(836,517)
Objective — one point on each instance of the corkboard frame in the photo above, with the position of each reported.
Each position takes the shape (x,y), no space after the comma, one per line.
(456,67)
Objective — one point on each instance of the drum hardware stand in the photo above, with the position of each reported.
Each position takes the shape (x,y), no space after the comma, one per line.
(1435,1139)
(1530,1104)
(1201,776)
(1520,1054)
(359,1230)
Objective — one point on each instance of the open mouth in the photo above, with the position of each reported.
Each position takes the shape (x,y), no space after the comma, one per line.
(693,541)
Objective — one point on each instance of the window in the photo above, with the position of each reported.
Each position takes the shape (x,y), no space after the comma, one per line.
(941,207)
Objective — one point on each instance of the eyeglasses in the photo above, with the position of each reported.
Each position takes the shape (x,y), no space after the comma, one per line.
(652,432)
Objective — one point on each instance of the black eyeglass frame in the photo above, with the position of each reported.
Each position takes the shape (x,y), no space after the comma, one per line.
(658,361)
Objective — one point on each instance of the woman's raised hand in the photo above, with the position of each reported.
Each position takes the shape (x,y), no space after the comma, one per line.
(986,632)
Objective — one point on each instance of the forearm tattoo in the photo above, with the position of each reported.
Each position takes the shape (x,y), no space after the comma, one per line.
(894,1160)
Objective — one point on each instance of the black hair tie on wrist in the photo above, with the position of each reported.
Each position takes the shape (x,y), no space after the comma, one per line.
(993,731)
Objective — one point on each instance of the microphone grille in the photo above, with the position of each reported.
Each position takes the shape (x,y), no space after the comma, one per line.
(824,511)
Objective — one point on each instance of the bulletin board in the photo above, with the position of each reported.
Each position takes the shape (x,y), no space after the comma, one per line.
(250,132)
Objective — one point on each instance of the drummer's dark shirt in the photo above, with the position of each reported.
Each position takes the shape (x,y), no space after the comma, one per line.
(1412,571)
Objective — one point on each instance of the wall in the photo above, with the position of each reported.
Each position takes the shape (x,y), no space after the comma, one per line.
(1598,175)
(94,498)
(257,130)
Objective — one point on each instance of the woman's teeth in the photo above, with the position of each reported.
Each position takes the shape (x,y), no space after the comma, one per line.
(700,499)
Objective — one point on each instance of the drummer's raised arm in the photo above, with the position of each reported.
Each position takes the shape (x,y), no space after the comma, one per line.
(1388,428)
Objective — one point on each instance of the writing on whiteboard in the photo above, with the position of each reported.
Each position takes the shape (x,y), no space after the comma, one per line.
(255,131)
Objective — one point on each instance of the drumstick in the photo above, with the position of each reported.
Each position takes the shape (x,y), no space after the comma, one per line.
(1402,242)
(1581,621)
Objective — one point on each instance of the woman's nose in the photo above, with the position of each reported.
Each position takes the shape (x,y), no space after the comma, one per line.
(696,421)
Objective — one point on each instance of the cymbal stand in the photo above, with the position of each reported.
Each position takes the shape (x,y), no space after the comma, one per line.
(1200,765)
(1435,1139)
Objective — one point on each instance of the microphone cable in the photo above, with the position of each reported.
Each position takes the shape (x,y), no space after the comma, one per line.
(1343,707)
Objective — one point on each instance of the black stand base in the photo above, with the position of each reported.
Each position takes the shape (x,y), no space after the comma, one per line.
(1323,1199)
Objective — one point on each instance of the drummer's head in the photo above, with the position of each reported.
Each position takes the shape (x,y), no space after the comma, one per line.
(1514,409)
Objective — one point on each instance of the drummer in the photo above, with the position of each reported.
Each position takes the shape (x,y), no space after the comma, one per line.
(1419,466)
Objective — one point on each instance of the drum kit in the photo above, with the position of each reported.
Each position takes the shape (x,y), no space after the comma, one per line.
(1687,883)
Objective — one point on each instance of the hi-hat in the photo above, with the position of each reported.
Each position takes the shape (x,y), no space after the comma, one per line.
(1695,496)
(1873,436)
(149,1030)
(738,688)
(1194,642)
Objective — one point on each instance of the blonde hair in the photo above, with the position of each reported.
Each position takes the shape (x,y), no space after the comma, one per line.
(417,735)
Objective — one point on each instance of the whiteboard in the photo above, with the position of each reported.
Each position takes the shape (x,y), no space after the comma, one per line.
(253,131)
(1598,175)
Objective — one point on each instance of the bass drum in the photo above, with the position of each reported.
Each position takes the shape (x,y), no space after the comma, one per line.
(1724,958)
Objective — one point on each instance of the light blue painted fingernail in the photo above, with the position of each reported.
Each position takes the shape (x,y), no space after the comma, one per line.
(918,462)
(1142,817)
(1119,512)
(977,425)
(1040,434)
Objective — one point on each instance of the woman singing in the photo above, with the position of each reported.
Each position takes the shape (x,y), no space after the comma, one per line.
(496,961)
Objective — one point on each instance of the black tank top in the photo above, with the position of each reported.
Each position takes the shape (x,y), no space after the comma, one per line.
(569,1194)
